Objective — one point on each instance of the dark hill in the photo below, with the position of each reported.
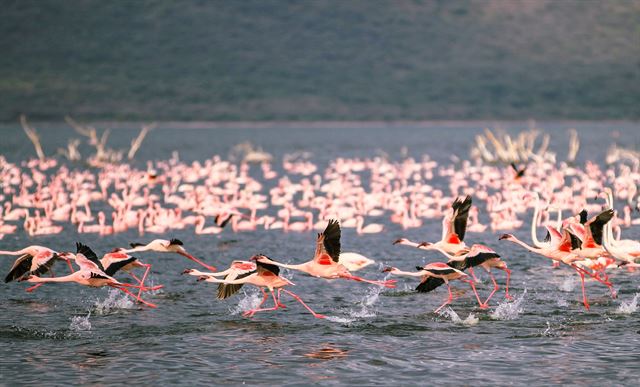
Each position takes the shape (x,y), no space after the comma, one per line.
(320,60)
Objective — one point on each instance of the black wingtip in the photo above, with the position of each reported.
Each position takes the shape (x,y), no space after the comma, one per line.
(175,241)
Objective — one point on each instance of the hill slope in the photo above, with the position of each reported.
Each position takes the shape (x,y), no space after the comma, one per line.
(320,60)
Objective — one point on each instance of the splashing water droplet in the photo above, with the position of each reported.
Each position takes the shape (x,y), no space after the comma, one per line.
(509,310)
(113,301)
(80,323)
(248,302)
(471,319)
(568,284)
(629,307)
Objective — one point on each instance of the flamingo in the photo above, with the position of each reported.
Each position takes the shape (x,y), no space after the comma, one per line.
(485,257)
(454,226)
(263,276)
(33,259)
(436,270)
(91,274)
(166,246)
(561,251)
(371,228)
(325,263)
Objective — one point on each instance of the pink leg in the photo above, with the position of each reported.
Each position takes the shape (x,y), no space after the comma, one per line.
(448,300)
(473,275)
(279,303)
(34,287)
(386,284)
(144,277)
(317,315)
(134,296)
(251,312)
(506,294)
(584,292)
(475,291)
(70,267)
(495,289)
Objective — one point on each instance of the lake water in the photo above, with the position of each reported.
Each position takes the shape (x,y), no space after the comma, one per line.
(68,334)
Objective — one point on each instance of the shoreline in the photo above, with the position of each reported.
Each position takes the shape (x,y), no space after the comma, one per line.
(325,124)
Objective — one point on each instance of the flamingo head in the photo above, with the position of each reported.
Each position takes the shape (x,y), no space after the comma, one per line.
(187,271)
(389,269)
(506,236)
(425,244)
(66,255)
(401,240)
(202,278)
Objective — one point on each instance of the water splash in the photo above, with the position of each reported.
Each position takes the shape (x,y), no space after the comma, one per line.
(115,300)
(509,310)
(471,319)
(568,284)
(341,320)
(249,301)
(80,323)
(629,307)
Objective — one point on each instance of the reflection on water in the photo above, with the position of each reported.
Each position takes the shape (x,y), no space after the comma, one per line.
(327,352)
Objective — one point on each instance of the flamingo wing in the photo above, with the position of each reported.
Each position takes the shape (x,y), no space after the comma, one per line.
(20,267)
(429,284)
(228,290)
(596,224)
(328,244)
(87,259)
(117,265)
(461,211)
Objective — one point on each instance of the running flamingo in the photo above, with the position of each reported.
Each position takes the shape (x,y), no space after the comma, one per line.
(166,246)
(325,263)
(91,274)
(264,276)
(436,270)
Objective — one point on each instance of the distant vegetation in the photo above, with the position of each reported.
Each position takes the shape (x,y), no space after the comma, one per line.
(319,60)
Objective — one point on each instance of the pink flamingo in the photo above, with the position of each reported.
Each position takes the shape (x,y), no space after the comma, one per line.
(91,274)
(35,260)
(166,246)
(437,270)
(264,276)
(325,263)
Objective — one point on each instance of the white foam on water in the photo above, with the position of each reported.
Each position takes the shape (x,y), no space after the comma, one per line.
(568,284)
(115,300)
(628,307)
(150,282)
(562,302)
(80,323)
(340,320)
(248,302)
(509,310)
(471,319)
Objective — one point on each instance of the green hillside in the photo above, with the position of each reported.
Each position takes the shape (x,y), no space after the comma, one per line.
(319,60)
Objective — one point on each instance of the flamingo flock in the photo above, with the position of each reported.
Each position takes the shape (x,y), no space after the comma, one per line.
(218,196)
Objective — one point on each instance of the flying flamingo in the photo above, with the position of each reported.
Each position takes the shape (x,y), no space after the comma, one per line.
(33,259)
(238,269)
(486,258)
(561,251)
(91,274)
(119,260)
(166,246)
(264,276)
(454,226)
(325,263)
(436,270)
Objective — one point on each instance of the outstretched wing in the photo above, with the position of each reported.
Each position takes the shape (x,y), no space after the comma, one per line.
(262,267)
(117,265)
(20,267)
(429,284)
(89,254)
(461,211)
(597,224)
(328,244)
(228,290)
